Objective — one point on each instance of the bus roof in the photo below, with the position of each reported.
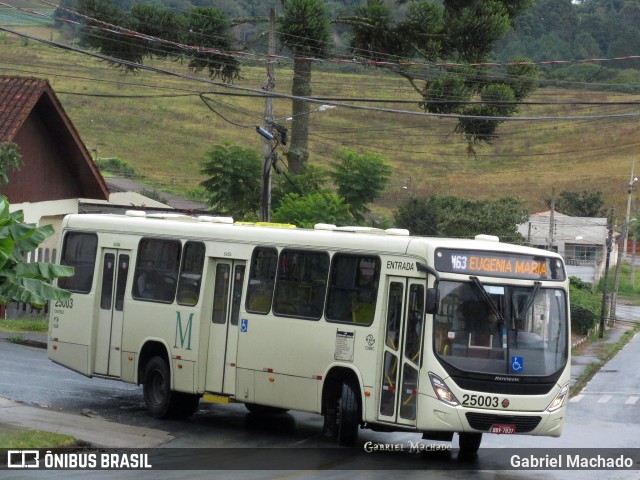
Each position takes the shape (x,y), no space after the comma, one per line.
(393,240)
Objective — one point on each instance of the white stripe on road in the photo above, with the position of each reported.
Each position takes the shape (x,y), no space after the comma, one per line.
(604,399)
(631,400)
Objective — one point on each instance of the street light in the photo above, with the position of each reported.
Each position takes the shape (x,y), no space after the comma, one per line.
(270,159)
(264,133)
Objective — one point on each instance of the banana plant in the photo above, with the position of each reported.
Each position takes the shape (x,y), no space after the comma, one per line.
(22,281)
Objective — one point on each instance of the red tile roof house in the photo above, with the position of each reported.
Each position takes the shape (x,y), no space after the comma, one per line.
(57,168)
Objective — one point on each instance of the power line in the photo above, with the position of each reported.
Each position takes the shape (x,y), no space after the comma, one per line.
(131,33)
(387,63)
(140,66)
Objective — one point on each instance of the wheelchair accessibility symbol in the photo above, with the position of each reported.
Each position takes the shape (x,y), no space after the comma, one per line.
(244,325)
(517,364)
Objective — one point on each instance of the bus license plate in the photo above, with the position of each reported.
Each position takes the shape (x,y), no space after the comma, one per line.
(502,428)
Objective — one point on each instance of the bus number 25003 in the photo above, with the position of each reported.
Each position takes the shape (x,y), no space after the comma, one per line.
(480,401)
(64,303)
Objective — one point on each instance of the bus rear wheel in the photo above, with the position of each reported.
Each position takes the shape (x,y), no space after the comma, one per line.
(157,388)
(348,416)
(469,443)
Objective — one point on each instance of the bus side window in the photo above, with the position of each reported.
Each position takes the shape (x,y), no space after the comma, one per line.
(79,251)
(353,288)
(264,262)
(156,273)
(301,284)
(190,273)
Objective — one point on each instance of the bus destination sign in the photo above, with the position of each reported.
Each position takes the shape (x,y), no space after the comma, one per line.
(493,264)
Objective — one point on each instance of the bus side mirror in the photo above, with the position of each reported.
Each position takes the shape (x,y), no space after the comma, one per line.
(433,301)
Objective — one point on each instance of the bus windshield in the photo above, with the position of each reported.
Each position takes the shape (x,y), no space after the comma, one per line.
(501,329)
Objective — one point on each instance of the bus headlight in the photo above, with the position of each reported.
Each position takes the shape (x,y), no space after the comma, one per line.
(442,391)
(560,398)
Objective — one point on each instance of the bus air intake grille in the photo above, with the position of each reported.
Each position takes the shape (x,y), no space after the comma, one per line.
(483,421)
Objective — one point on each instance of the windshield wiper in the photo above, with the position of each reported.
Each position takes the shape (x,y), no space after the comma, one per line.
(487,299)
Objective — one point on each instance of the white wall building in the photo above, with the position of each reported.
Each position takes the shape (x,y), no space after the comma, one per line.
(582,241)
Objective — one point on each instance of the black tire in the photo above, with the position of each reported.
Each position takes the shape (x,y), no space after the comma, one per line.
(184,405)
(264,409)
(469,443)
(330,425)
(157,388)
(348,416)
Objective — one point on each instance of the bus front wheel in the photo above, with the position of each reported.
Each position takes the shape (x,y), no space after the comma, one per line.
(184,405)
(469,442)
(348,416)
(157,388)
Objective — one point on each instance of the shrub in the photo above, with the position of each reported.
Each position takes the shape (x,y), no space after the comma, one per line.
(586,302)
(582,319)
(115,165)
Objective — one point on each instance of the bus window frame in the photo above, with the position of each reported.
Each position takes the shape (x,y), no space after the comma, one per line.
(191,275)
(253,284)
(354,288)
(70,283)
(298,284)
(165,273)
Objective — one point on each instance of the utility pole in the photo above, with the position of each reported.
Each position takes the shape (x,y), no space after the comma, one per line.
(603,310)
(267,149)
(551,217)
(632,181)
(632,279)
(616,277)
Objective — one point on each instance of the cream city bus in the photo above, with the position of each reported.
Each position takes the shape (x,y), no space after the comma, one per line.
(368,328)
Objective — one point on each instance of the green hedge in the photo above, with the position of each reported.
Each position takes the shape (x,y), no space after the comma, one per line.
(586,304)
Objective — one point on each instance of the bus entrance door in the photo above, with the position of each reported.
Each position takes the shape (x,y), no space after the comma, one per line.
(114,270)
(402,350)
(223,334)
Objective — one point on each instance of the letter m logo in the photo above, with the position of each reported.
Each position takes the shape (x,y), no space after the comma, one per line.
(184,334)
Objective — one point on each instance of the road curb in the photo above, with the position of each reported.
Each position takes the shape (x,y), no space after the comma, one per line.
(95,431)
(26,342)
(35,340)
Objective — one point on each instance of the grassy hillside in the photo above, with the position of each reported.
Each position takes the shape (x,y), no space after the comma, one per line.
(159,125)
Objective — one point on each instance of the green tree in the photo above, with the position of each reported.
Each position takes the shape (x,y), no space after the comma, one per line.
(21,281)
(459,217)
(419,216)
(586,203)
(305,29)
(10,159)
(305,211)
(311,180)
(205,27)
(234,183)
(360,179)
(456,32)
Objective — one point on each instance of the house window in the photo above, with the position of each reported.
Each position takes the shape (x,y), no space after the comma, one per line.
(581,254)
